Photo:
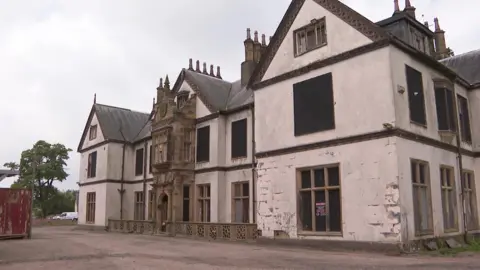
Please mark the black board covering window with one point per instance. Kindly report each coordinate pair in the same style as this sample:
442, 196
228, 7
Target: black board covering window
239, 138
445, 113
139, 162
464, 121
416, 97
203, 144
92, 165
313, 105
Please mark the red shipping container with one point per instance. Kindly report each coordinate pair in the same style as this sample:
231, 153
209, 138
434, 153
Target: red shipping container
15, 211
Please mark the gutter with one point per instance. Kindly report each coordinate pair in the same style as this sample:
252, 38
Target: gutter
254, 190
460, 166
145, 152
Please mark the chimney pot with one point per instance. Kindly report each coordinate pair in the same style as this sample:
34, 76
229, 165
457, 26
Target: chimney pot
197, 67
205, 68
249, 35
211, 71
190, 64
264, 42
161, 83
255, 36
218, 73
396, 6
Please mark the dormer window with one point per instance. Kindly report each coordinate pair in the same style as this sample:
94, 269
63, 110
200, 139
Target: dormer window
93, 133
182, 98
310, 37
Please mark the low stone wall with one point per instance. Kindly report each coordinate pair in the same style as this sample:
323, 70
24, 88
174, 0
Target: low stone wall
53, 222
209, 231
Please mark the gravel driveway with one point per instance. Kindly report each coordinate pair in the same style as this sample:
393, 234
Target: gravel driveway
63, 248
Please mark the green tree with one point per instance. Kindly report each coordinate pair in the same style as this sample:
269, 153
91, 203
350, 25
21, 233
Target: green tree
42, 165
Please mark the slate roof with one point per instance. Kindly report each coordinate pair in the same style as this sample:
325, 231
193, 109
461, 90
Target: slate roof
119, 124
218, 94
467, 65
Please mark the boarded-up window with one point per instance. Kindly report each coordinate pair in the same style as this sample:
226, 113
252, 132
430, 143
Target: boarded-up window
470, 200
449, 199
320, 201
90, 213
313, 105
186, 203
138, 211
203, 144
422, 201
445, 112
240, 200
139, 162
416, 97
92, 165
93, 132
151, 203
464, 116
239, 138
204, 203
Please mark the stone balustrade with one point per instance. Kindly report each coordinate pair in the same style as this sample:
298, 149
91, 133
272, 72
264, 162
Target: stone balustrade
210, 231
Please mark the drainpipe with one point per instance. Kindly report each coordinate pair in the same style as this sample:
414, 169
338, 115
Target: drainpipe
460, 165
145, 152
254, 193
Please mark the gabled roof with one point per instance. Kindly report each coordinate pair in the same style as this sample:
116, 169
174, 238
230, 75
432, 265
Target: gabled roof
467, 65
216, 94
337, 8
8, 173
117, 124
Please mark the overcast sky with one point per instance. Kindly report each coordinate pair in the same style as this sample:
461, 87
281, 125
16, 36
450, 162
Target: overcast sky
54, 55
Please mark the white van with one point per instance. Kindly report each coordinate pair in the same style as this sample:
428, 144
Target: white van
68, 216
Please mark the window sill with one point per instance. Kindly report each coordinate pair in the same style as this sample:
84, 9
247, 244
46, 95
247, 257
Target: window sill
454, 230
329, 234
202, 162
313, 132
418, 124
238, 158
310, 50
424, 233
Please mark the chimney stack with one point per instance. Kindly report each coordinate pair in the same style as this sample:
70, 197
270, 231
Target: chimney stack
441, 49
396, 7
409, 9
205, 68
218, 73
211, 71
190, 64
257, 48
197, 67
248, 66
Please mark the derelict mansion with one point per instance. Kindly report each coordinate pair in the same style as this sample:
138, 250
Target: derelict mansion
338, 128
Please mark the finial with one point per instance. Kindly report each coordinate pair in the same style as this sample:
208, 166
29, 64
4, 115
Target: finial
95, 98
426, 24
264, 42
197, 68
190, 64
211, 71
218, 73
437, 25
153, 102
161, 83
396, 6
167, 83
255, 36
249, 35
205, 68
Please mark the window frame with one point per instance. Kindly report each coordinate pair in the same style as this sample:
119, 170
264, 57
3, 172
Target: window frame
92, 166
242, 198
202, 202
139, 162
312, 189
235, 138
428, 185
92, 132
445, 189
449, 107
151, 204
465, 131
206, 157
150, 159
313, 24
138, 205
424, 109
472, 195
91, 198
188, 200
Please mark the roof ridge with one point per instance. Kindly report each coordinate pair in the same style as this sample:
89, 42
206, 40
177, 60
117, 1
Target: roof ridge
120, 108
462, 54
207, 75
